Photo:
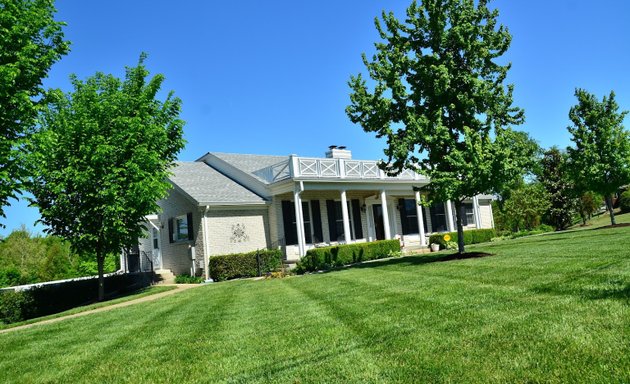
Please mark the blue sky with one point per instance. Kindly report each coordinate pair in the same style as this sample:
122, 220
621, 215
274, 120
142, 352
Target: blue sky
269, 77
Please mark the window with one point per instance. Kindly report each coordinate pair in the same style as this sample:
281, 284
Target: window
181, 228
409, 216
339, 222
156, 235
438, 217
469, 216
308, 228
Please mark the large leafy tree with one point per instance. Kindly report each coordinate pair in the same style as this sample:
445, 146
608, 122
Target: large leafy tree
439, 99
559, 187
31, 41
599, 159
102, 158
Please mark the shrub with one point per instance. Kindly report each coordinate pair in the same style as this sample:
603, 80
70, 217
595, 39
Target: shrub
472, 236
16, 306
48, 299
233, 266
338, 255
624, 202
187, 279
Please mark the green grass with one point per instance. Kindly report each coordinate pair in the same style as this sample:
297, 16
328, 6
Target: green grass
551, 308
132, 296
604, 219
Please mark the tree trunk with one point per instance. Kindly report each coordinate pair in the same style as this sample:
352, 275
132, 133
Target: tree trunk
100, 261
609, 203
459, 210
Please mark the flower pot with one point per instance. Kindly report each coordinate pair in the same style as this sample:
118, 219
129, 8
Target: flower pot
435, 247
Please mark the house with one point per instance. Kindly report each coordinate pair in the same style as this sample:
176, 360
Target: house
228, 203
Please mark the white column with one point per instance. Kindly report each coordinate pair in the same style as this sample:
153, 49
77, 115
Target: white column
423, 240
388, 232
346, 217
449, 213
206, 244
299, 223
476, 212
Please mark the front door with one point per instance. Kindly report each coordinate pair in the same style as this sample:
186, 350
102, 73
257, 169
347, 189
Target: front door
157, 254
378, 222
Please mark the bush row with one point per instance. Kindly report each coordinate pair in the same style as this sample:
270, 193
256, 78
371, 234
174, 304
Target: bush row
237, 265
335, 256
53, 298
472, 236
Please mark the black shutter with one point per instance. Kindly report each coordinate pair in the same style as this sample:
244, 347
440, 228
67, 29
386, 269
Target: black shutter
332, 219
189, 222
403, 216
170, 230
356, 218
434, 220
288, 215
317, 221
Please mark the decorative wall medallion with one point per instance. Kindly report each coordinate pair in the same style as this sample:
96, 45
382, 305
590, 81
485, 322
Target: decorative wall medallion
238, 234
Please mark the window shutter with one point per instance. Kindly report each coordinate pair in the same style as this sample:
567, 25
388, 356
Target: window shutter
170, 230
189, 223
317, 221
290, 232
332, 217
356, 217
403, 216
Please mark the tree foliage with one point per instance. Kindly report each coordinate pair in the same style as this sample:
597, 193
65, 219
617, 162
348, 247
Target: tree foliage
588, 204
31, 41
102, 159
440, 101
524, 209
599, 159
559, 187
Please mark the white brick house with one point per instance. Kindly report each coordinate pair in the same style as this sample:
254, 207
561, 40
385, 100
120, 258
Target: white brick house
227, 203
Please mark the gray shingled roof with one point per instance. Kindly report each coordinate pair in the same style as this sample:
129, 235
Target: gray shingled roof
208, 186
252, 164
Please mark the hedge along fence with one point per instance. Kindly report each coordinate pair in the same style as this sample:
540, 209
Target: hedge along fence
49, 298
233, 266
472, 236
329, 257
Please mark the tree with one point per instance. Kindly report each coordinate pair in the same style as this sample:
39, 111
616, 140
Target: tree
31, 41
588, 203
599, 160
553, 177
440, 101
102, 159
525, 207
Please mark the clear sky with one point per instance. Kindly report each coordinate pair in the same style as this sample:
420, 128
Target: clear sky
269, 77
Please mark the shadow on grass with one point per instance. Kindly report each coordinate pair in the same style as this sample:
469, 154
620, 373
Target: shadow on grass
608, 290
619, 225
413, 260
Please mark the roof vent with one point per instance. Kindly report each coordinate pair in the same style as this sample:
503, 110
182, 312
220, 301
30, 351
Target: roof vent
338, 152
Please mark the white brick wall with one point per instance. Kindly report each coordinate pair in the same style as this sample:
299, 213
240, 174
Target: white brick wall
236, 231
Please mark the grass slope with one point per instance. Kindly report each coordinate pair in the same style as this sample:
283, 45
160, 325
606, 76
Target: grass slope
148, 291
550, 308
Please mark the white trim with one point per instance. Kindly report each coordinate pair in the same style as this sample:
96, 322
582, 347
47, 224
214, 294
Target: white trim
449, 212
388, 233
346, 219
299, 223
476, 212
206, 244
423, 240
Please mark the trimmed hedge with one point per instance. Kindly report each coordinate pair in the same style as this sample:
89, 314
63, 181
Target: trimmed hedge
471, 236
48, 299
233, 266
336, 256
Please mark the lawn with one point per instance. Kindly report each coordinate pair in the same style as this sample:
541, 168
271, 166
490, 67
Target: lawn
551, 308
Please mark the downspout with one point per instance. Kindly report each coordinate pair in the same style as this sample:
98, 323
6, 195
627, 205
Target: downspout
206, 244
